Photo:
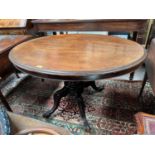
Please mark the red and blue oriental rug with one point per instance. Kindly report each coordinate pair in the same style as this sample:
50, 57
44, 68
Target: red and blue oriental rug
109, 112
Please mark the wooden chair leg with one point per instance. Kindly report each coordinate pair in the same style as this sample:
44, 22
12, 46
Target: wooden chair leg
131, 76
4, 101
143, 85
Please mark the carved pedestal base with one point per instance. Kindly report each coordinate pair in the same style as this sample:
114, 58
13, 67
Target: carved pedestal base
74, 89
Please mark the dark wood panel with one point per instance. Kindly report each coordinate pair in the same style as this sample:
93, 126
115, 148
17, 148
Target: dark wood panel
129, 26
116, 25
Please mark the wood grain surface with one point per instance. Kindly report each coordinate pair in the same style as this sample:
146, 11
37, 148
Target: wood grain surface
78, 56
12, 23
136, 26
126, 25
9, 41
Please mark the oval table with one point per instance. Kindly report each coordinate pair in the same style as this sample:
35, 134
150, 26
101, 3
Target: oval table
78, 60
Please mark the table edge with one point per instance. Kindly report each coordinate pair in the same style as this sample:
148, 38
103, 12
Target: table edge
79, 75
60, 21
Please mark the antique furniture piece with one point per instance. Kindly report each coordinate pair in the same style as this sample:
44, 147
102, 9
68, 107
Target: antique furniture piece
151, 34
4, 101
7, 42
15, 124
18, 27
136, 28
78, 60
22, 125
150, 68
12, 33
145, 123
15, 26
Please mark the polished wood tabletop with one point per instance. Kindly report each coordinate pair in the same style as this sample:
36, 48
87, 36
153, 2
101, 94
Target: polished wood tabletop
13, 23
9, 41
77, 57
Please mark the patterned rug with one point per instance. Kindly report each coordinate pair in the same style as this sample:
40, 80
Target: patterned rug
108, 112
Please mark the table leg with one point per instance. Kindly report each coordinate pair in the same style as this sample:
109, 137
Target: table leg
57, 97
81, 105
131, 76
74, 89
143, 85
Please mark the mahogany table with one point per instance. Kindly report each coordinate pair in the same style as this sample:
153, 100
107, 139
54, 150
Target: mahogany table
135, 28
78, 60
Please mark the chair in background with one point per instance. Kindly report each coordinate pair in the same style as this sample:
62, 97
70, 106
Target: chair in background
14, 124
150, 68
145, 123
12, 33
22, 125
151, 34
